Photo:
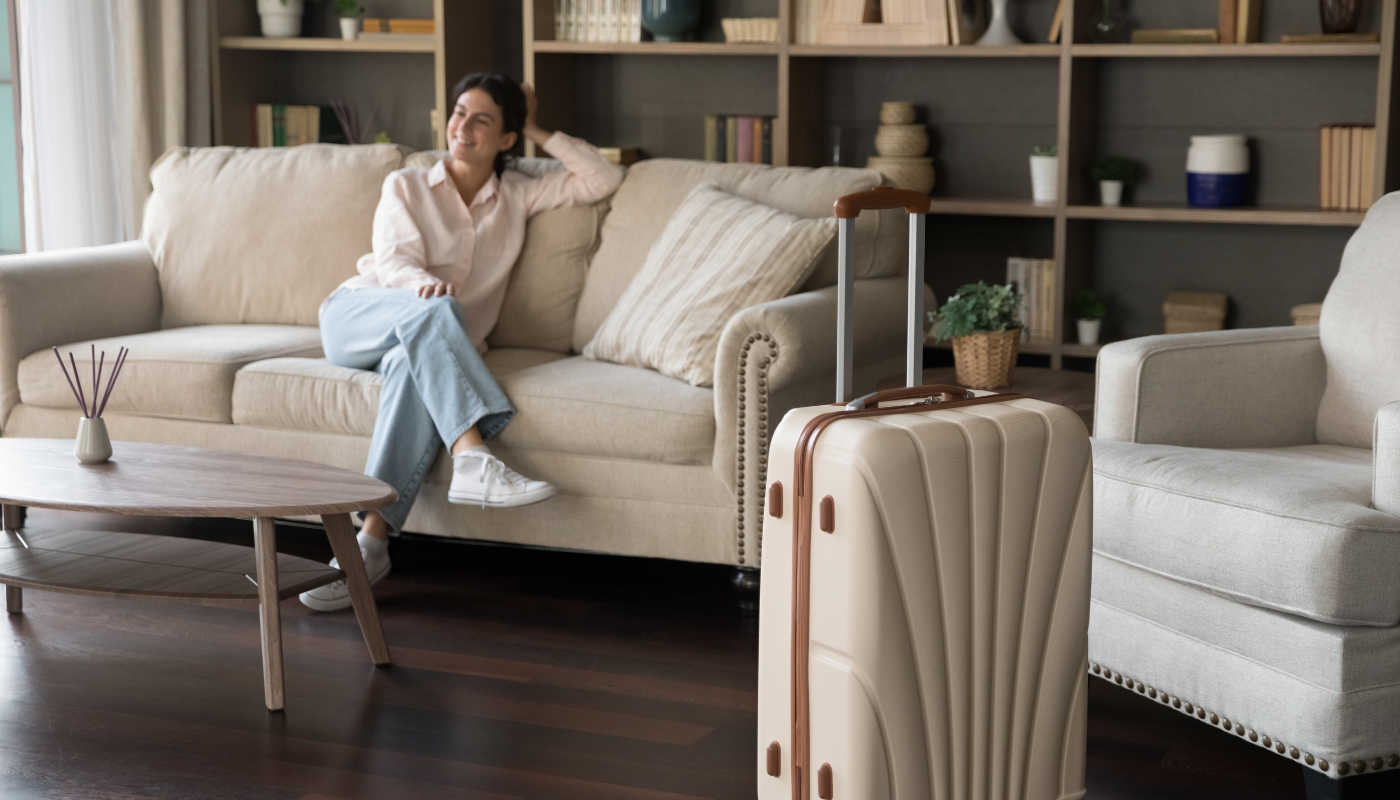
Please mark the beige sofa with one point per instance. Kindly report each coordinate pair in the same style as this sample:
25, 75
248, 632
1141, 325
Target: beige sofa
219, 300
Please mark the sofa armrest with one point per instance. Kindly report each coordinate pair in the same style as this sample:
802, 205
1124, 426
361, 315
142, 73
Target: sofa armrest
64, 296
1385, 460
1254, 387
782, 355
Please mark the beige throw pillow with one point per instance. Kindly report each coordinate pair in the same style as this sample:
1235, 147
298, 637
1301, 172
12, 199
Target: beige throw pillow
718, 255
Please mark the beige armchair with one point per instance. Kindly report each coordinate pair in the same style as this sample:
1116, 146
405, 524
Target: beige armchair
1246, 537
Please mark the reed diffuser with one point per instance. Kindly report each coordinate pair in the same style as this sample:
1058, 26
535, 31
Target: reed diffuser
92, 445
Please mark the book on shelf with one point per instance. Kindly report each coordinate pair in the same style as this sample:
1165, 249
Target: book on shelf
598, 20
1247, 21
277, 125
741, 140
1057, 24
397, 37
1229, 18
1176, 36
1347, 167
1330, 38
377, 25
1034, 278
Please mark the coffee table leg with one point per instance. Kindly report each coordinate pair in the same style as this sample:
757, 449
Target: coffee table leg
265, 543
341, 532
14, 595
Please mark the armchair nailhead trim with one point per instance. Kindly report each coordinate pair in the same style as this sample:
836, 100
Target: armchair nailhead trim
1343, 767
761, 479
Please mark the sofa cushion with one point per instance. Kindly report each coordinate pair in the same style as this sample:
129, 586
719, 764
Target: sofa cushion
312, 394
181, 373
260, 235
654, 189
548, 277
1359, 329
1288, 528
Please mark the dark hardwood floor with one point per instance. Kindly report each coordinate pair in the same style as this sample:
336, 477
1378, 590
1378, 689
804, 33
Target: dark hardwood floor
518, 674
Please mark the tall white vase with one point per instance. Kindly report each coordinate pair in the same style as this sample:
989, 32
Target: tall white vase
998, 29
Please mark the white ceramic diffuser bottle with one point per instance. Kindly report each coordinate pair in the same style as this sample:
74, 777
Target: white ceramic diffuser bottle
92, 446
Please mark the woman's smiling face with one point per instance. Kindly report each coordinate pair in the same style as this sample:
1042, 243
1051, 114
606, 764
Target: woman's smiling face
476, 132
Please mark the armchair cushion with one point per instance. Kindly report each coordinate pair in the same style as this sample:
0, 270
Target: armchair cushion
180, 373
1287, 528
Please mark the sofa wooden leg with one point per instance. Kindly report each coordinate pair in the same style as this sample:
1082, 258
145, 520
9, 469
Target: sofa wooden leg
1371, 786
745, 582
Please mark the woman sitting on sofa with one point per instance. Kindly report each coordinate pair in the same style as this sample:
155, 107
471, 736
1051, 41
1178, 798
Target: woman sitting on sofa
418, 313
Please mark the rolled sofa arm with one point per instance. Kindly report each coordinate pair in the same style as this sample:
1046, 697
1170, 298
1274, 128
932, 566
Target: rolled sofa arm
63, 296
782, 355
1253, 387
1385, 460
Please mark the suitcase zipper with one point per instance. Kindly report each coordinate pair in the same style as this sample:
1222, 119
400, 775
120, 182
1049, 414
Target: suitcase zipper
946, 397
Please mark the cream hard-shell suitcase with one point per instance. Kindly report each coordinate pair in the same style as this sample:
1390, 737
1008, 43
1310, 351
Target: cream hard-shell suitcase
926, 557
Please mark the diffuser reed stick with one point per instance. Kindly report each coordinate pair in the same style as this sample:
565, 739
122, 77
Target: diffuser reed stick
75, 381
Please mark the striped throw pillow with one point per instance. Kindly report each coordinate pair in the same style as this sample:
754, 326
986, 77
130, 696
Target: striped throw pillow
719, 255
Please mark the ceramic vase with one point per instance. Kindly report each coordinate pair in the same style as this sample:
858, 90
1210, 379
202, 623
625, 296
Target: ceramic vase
281, 19
670, 20
349, 28
1339, 16
998, 29
92, 445
1045, 178
1217, 171
1111, 193
1089, 331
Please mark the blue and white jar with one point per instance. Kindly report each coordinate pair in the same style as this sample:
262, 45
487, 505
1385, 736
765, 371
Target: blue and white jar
1217, 171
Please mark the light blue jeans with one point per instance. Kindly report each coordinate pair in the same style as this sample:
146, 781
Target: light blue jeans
435, 383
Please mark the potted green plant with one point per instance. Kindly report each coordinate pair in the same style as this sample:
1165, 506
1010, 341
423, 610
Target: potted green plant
982, 322
1113, 174
349, 12
1089, 311
1045, 173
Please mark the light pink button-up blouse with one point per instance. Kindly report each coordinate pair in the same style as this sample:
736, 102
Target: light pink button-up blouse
424, 234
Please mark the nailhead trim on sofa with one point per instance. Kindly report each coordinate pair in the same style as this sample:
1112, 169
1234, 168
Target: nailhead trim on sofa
1340, 769
761, 469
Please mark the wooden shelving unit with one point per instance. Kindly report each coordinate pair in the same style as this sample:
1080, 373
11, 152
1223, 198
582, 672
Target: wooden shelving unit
250, 69
800, 125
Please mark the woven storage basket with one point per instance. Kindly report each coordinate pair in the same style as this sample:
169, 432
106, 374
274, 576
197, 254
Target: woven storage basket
986, 360
1194, 312
750, 29
900, 112
1307, 314
914, 173
901, 140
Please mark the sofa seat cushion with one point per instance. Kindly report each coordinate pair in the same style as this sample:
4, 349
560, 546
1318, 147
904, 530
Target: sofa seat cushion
180, 373
1289, 528
312, 394
575, 405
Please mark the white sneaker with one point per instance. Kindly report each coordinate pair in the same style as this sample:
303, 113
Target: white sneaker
479, 478
336, 596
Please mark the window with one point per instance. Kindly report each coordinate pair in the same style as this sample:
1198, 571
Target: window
11, 240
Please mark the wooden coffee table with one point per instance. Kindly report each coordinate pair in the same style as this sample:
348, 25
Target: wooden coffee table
167, 481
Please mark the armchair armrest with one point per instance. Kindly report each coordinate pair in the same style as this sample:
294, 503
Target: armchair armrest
1254, 387
63, 296
782, 355
1385, 460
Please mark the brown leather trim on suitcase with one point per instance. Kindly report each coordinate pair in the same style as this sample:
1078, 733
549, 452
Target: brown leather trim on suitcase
938, 398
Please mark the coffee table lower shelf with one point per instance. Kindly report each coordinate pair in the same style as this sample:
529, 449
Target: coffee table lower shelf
147, 567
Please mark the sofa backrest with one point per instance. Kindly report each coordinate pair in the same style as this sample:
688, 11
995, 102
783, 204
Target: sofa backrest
1360, 330
260, 235
654, 189
548, 277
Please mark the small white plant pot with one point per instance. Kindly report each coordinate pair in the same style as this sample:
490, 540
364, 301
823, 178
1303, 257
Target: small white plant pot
1111, 193
92, 445
349, 28
281, 19
1089, 329
1045, 178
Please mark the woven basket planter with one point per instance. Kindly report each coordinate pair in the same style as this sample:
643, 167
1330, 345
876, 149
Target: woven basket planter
987, 360
750, 29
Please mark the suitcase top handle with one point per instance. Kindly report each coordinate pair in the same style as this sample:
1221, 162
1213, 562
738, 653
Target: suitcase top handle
881, 197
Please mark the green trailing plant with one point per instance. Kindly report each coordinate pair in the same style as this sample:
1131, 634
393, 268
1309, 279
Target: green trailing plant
978, 308
1114, 169
1046, 150
348, 8
1088, 305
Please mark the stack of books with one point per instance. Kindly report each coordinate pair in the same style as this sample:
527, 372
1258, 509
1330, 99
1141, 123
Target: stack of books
598, 20
739, 140
1348, 160
1034, 278
415, 29
276, 125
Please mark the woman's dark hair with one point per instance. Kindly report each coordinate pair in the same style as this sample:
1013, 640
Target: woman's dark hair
507, 94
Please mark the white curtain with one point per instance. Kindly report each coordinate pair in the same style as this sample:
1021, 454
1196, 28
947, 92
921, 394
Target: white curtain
106, 87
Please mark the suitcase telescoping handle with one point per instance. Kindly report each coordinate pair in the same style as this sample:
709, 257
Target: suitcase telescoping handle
847, 209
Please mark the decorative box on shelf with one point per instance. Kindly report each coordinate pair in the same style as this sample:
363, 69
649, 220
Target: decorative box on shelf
1193, 312
761, 30
1306, 314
